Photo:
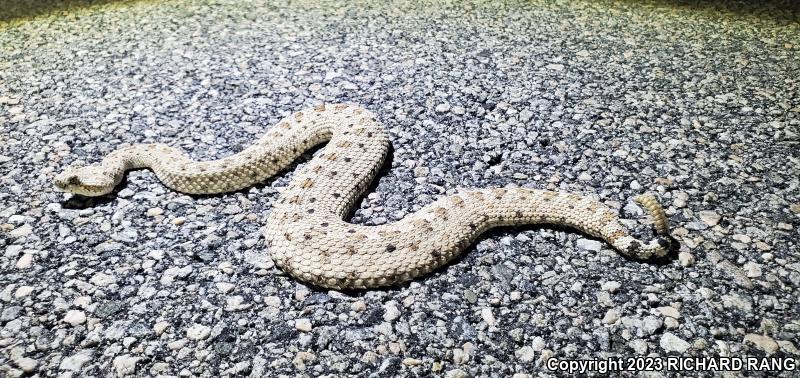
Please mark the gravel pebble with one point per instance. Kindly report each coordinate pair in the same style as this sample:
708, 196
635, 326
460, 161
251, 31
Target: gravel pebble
76, 361
686, 259
671, 343
25, 261
21, 231
198, 332
669, 311
611, 317
391, 312
303, 325
27, 365
125, 365
488, 317
23, 291
154, 211
611, 286
456, 373
525, 354
710, 218
762, 342
589, 245
160, 327
75, 317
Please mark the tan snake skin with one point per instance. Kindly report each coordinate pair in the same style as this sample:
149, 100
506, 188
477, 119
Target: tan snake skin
306, 233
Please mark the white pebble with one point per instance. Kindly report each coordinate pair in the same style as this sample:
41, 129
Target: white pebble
589, 245
686, 259
525, 354
303, 325
611, 317
224, 287
442, 108
25, 261
75, 317
390, 312
198, 332
488, 316
154, 211
23, 291
611, 286
28, 365
125, 364
21, 231
103, 280
358, 306
160, 327
671, 343
76, 361
710, 218
670, 311
752, 269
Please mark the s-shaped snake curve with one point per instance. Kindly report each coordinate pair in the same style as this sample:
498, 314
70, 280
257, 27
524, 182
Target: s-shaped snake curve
306, 233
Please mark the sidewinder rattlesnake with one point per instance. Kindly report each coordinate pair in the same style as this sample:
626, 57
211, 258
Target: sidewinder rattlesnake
306, 233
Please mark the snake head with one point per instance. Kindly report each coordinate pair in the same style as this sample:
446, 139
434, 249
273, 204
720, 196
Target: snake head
91, 181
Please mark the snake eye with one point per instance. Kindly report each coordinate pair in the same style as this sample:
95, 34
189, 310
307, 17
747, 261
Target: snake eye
73, 180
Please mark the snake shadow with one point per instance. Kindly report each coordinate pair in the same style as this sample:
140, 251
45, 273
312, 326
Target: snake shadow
81, 202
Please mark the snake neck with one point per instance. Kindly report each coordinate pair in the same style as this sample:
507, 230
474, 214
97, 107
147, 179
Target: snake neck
133, 157
115, 164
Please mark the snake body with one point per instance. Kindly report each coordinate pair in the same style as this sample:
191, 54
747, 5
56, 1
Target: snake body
306, 233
